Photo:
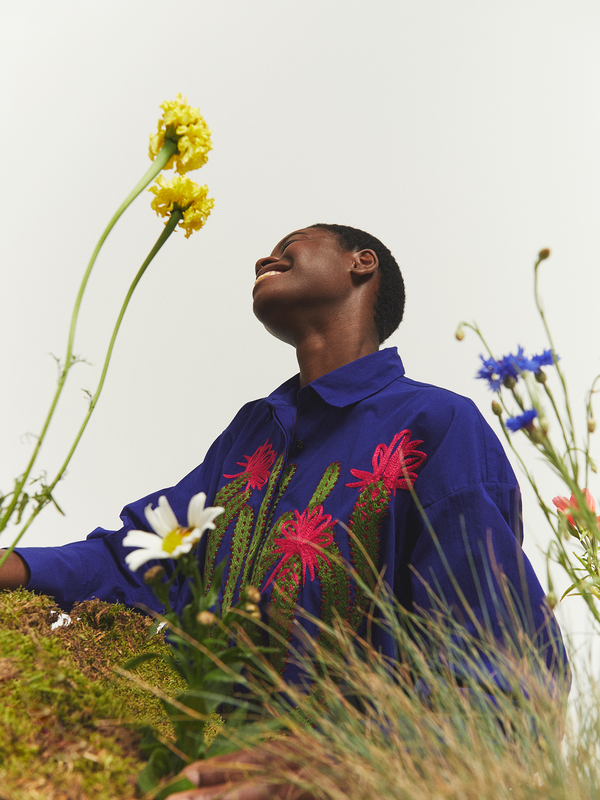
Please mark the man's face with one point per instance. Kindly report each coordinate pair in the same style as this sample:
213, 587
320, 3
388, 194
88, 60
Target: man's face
307, 274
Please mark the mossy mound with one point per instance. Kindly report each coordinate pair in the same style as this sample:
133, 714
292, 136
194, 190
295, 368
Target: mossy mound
68, 722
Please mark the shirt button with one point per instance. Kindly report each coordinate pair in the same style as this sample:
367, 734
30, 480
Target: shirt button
299, 444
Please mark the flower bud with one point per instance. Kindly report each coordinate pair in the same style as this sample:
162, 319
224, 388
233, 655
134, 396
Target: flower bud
252, 594
591, 424
255, 614
250, 607
544, 426
509, 382
551, 599
460, 333
593, 467
540, 376
206, 618
496, 408
535, 434
544, 254
154, 574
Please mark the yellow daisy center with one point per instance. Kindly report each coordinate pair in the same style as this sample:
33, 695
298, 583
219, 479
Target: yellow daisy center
173, 539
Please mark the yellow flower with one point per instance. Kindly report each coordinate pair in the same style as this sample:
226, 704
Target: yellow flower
184, 125
183, 194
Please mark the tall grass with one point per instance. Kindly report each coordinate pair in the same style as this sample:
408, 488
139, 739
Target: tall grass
430, 724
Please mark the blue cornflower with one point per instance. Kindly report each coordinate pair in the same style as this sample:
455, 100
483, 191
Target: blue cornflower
511, 366
522, 421
490, 371
545, 359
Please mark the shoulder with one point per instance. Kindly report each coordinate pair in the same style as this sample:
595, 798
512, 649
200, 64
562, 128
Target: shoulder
457, 439
432, 408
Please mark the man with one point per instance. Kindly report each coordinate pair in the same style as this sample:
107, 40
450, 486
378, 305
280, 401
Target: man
414, 471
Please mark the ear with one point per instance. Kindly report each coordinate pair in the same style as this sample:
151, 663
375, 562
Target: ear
365, 262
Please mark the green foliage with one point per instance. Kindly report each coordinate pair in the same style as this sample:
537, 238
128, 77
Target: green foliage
64, 715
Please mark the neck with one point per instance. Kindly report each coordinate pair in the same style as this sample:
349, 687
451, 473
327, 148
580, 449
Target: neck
317, 355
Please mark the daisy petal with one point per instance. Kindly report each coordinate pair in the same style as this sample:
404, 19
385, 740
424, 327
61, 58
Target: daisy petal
138, 557
161, 519
200, 517
143, 539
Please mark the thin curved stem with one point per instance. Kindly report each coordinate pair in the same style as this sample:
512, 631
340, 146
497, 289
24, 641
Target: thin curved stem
159, 162
169, 227
540, 309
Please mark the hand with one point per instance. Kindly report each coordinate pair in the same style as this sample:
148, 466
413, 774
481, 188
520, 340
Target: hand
14, 573
230, 777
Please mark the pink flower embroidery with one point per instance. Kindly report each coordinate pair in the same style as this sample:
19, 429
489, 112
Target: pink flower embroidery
571, 504
303, 537
396, 464
257, 466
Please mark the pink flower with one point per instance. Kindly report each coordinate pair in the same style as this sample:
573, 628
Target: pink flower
396, 464
303, 537
565, 505
257, 466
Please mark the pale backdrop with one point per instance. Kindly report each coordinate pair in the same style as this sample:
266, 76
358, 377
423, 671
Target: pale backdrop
464, 134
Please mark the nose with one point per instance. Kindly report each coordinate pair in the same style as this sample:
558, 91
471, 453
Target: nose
262, 262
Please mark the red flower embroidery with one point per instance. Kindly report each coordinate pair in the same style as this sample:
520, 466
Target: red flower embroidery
257, 466
396, 464
303, 537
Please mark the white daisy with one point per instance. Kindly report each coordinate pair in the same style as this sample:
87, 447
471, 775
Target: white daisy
170, 540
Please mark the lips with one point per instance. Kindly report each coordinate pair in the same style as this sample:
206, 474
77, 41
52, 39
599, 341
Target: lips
269, 270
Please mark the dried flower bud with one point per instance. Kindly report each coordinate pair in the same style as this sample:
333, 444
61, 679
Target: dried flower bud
551, 599
591, 424
544, 426
154, 574
255, 614
535, 434
509, 382
206, 618
460, 333
250, 607
593, 467
544, 254
496, 408
252, 594
541, 376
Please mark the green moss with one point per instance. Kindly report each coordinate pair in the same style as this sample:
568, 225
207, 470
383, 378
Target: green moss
65, 715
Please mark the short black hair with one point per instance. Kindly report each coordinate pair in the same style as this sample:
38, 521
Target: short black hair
389, 305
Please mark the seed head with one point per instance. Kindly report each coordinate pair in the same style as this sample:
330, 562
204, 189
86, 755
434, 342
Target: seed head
544, 254
252, 594
206, 618
154, 574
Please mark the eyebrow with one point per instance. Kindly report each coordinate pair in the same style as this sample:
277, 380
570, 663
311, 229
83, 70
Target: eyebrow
283, 242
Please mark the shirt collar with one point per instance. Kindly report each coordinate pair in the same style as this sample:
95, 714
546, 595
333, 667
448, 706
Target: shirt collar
348, 384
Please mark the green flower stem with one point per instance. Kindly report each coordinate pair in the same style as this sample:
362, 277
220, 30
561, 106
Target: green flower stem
540, 308
570, 449
159, 162
168, 230
589, 415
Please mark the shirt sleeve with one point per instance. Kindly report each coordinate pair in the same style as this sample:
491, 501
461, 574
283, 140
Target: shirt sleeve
467, 564
96, 566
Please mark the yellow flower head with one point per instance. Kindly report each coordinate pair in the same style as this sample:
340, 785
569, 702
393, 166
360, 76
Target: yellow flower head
183, 194
184, 125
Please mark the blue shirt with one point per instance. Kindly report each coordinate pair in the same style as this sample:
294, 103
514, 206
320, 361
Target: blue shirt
301, 468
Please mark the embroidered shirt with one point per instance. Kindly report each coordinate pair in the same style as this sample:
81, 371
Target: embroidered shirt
346, 448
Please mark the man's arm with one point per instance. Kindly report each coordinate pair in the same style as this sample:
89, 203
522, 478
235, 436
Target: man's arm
14, 573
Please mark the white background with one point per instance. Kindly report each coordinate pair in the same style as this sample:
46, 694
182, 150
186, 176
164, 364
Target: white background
464, 134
